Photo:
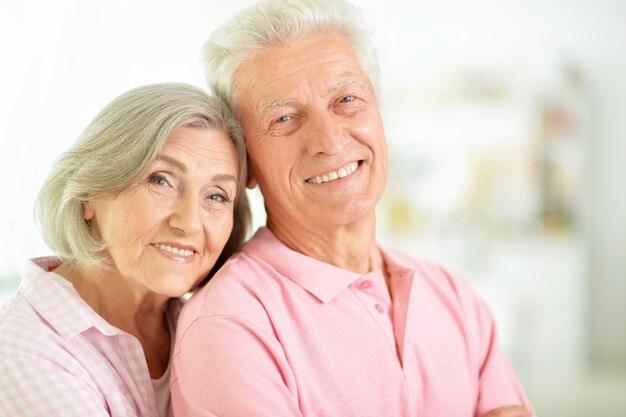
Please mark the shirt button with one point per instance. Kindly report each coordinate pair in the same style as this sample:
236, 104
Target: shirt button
379, 308
365, 284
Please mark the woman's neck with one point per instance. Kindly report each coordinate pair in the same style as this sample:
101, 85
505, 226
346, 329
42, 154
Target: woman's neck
127, 306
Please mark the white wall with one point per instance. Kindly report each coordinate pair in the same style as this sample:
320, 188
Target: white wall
64, 60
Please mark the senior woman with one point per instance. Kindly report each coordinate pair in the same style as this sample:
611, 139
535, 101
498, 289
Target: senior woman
146, 205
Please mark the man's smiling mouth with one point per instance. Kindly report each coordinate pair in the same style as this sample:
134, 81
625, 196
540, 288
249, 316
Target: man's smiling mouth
343, 172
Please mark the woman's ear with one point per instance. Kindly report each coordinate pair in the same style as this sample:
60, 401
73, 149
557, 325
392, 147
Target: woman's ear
88, 210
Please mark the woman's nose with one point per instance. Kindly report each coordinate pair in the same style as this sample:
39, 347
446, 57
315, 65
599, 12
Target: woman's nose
186, 215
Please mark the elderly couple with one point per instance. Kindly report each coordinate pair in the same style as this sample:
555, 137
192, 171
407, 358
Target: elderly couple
310, 317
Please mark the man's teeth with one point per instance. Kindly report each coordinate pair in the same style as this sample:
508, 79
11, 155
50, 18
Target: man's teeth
331, 176
176, 251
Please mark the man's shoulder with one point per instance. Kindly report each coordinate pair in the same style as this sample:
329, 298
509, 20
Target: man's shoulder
430, 273
240, 270
236, 289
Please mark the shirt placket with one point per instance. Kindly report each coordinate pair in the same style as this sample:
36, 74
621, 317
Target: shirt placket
136, 366
373, 295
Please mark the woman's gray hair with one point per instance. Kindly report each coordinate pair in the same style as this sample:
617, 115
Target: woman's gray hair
270, 22
117, 148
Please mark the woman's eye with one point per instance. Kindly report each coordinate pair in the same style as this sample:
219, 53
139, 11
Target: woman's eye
158, 180
346, 99
218, 198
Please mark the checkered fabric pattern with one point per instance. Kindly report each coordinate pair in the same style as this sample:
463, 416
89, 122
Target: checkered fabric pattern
58, 357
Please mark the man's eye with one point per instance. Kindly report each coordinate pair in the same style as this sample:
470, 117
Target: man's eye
346, 99
282, 119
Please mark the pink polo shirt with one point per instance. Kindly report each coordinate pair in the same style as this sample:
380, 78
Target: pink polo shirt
58, 357
277, 333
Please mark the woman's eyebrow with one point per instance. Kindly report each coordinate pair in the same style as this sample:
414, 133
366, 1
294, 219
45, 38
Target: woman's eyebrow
183, 168
173, 161
224, 177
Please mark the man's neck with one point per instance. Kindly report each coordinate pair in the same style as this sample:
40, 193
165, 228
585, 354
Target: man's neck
351, 247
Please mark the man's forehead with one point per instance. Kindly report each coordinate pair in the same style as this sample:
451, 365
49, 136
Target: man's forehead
280, 74
317, 48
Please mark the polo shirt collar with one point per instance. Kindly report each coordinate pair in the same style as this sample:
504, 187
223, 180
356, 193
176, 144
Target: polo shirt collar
398, 263
323, 280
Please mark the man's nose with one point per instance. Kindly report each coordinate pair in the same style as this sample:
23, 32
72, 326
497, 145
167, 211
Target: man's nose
327, 135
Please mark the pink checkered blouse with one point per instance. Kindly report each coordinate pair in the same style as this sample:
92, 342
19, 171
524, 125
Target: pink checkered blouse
59, 358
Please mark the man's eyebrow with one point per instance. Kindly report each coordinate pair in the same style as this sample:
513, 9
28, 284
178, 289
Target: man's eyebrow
276, 104
173, 161
344, 84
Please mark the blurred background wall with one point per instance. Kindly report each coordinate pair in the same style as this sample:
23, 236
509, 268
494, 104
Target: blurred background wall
506, 124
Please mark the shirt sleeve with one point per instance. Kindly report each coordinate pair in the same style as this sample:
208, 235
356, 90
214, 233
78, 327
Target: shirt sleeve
224, 366
40, 388
498, 382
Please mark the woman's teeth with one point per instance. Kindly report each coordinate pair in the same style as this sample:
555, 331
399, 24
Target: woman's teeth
331, 176
176, 251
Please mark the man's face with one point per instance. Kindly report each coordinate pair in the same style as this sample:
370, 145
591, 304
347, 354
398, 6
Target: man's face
313, 132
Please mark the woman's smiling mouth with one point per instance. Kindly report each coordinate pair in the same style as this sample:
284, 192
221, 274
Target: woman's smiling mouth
174, 250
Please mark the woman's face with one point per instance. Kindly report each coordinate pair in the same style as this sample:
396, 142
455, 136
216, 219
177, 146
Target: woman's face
166, 231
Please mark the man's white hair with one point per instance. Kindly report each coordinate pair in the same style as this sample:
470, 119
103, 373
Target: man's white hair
270, 22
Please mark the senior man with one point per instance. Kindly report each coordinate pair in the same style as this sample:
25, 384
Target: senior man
313, 317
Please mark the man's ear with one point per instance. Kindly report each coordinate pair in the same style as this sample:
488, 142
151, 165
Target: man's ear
88, 210
251, 181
